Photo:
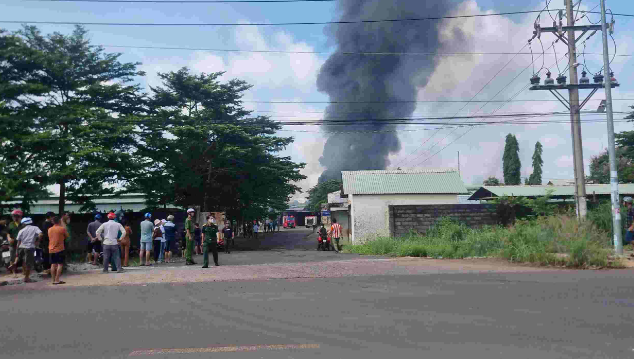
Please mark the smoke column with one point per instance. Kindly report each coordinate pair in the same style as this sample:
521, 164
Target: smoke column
375, 78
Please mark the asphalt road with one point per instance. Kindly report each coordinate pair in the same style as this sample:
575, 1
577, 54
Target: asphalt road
539, 315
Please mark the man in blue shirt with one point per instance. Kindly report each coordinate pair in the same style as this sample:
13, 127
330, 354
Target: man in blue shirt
147, 227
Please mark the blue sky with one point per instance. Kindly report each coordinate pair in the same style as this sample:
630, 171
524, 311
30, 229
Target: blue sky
292, 77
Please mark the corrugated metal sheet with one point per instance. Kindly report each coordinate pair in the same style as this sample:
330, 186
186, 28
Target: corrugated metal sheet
534, 191
423, 181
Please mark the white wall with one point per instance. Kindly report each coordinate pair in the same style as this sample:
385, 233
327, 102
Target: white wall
370, 213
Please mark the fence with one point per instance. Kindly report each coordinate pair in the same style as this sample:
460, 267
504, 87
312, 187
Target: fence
419, 218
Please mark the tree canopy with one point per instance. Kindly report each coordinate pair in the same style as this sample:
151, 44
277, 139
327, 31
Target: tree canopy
77, 118
491, 181
511, 163
318, 195
201, 147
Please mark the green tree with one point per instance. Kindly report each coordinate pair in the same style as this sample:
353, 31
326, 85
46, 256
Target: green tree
511, 164
318, 195
20, 176
600, 166
82, 121
491, 181
201, 148
536, 177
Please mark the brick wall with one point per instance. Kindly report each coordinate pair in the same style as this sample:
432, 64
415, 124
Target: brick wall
420, 218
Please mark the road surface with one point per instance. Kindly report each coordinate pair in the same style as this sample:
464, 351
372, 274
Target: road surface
434, 313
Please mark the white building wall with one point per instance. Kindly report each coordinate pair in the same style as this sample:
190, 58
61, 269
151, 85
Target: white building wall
371, 217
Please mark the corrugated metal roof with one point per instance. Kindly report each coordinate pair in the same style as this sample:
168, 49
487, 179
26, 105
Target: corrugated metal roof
534, 191
419, 181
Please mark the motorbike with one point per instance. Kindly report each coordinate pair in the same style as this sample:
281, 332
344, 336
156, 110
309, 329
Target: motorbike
324, 245
39, 260
6, 255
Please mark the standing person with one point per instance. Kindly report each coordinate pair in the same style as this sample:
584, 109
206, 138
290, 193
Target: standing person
94, 241
197, 238
163, 241
189, 237
48, 223
66, 224
210, 241
111, 232
14, 228
228, 234
125, 243
28, 238
157, 236
57, 235
170, 237
629, 221
335, 233
323, 233
256, 227
146, 240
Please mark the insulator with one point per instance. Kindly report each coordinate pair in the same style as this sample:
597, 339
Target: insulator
549, 80
612, 78
561, 79
535, 80
584, 78
598, 79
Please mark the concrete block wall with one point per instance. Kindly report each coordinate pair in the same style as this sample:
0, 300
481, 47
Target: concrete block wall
419, 218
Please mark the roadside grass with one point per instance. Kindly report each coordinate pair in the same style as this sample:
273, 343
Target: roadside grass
558, 240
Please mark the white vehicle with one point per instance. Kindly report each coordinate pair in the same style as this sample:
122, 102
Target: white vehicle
311, 221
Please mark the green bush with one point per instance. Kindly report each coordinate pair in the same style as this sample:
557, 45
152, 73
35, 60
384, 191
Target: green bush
551, 240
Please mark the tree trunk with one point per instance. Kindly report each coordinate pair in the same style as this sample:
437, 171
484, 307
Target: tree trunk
62, 196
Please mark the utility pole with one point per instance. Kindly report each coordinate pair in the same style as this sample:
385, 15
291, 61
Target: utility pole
575, 117
572, 103
458, 163
614, 178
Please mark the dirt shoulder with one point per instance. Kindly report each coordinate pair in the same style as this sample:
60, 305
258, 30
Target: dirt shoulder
326, 269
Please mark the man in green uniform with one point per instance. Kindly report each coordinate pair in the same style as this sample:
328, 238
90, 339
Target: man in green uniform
189, 237
14, 228
210, 241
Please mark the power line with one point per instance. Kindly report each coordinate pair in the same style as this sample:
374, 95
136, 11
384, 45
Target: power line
375, 53
186, 1
414, 101
339, 22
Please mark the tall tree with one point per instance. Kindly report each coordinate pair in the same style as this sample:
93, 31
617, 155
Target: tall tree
318, 195
536, 177
202, 148
20, 176
84, 119
511, 163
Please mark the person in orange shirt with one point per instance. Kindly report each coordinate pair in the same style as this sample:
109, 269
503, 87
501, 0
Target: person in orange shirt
57, 235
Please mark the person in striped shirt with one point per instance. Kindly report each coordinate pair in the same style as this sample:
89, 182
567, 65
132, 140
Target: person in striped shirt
335, 234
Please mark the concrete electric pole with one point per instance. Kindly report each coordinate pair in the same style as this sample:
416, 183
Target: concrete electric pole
614, 178
573, 88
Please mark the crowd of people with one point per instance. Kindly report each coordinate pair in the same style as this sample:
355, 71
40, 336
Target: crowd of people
108, 242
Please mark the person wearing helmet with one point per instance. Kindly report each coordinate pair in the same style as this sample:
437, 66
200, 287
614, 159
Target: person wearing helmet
629, 221
189, 237
146, 240
111, 233
14, 228
94, 242
28, 238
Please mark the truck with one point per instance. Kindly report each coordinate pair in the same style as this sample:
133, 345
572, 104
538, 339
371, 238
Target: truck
289, 222
311, 221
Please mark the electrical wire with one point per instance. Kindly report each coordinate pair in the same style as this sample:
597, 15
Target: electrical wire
556, 60
378, 53
185, 1
415, 101
340, 22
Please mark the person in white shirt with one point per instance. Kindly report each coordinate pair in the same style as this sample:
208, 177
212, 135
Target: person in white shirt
111, 233
28, 238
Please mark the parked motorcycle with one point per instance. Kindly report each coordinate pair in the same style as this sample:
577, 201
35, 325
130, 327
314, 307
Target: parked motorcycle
324, 245
39, 260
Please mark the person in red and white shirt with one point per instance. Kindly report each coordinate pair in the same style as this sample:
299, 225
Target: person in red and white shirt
335, 234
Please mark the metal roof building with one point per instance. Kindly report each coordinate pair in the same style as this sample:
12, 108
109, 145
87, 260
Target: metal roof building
419, 181
488, 192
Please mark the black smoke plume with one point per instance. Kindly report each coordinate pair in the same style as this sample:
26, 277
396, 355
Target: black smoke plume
369, 80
